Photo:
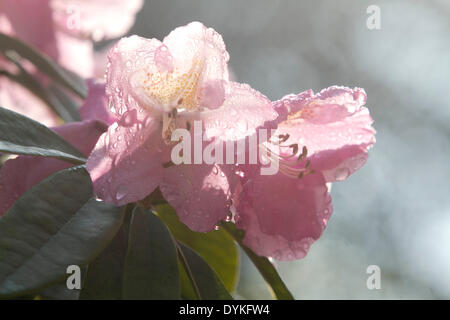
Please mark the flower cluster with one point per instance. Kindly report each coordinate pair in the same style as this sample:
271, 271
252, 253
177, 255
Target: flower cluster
156, 88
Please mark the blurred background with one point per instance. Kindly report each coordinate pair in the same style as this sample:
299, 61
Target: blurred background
395, 212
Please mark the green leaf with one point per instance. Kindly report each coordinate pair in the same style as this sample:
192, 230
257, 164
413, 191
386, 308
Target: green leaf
66, 107
216, 247
104, 277
206, 280
44, 64
151, 266
22, 135
264, 266
52, 226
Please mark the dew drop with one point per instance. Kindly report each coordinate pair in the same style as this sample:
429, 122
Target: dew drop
129, 117
121, 193
342, 174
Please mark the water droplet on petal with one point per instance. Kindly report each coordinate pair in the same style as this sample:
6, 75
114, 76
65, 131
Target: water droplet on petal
121, 193
342, 174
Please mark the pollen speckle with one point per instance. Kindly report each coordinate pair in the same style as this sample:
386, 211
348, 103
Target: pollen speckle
173, 89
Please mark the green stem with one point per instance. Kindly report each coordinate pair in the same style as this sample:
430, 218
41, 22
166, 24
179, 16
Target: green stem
264, 266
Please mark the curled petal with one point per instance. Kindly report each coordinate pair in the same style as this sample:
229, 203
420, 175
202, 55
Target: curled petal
334, 127
20, 174
126, 164
129, 62
195, 42
282, 216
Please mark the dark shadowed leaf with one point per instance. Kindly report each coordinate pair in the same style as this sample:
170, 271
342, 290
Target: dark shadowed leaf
60, 291
52, 95
22, 135
264, 266
52, 226
206, 280
216, 247
151, 266
104, 278
44, 64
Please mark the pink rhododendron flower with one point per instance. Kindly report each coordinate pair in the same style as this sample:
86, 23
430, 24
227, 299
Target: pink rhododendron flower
64, 30
322, 138
156, 87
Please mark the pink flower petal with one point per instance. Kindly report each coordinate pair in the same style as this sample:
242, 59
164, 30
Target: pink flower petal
96, 104
196, 42
126, 165
199, 194
20, 174
99, 19
282, 216
16, 98
334, 127
31, 21
128, 60
75, 54
243, 111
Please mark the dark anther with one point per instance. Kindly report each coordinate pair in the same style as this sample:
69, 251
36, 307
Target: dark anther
307, 163
294, 148
168, 164
174, 112
188, 125
180, 101
303, 155
283, 137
